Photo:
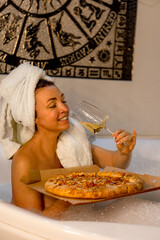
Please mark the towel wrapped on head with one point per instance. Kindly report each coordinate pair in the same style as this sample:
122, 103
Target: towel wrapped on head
17, 118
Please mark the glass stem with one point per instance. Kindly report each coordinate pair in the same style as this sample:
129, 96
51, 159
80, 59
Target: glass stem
109, 130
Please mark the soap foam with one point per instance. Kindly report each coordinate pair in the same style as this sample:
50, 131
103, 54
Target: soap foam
129, 210
132, 210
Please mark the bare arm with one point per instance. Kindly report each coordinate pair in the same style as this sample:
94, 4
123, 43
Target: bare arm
27, 198
120, 158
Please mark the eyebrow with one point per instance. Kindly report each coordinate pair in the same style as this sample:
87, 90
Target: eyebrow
52, 99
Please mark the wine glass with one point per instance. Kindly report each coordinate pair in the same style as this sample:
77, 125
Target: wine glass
92, 118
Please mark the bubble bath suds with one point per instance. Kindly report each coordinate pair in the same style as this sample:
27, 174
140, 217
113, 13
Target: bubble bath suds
133, 210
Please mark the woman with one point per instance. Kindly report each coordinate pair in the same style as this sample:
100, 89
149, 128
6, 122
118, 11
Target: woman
51, 119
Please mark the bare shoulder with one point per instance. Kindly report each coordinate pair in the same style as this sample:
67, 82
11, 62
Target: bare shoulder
23, 161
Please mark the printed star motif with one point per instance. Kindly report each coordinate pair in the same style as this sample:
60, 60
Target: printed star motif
92, 59
109, 43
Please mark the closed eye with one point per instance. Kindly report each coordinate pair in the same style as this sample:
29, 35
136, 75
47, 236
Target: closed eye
52, 106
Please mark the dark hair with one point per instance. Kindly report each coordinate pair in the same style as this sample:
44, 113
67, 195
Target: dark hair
44, 83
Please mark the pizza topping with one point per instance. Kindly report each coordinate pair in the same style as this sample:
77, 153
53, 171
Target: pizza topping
94, 185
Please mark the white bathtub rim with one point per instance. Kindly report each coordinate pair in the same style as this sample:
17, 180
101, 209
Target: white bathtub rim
42, 226
123, 231
69, 230
10, 232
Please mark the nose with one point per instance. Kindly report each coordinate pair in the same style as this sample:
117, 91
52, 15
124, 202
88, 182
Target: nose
64, 107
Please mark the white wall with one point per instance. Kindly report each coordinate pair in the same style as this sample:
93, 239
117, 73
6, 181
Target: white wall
133, 104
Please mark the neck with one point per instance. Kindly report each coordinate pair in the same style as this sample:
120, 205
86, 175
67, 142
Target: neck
47, 142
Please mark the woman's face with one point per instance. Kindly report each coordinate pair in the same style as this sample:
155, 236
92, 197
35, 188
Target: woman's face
51, 109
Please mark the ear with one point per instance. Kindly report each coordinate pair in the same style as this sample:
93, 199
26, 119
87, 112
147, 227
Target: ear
36, 120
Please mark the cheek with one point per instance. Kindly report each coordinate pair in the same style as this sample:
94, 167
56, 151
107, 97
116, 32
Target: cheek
40, 114
46, 117
53, 115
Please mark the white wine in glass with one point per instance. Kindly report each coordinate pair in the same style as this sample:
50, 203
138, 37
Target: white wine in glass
91, 117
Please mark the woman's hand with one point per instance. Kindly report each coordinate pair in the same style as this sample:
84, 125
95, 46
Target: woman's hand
57, 209
125, 141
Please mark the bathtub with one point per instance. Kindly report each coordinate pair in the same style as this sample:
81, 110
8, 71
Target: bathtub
19, 224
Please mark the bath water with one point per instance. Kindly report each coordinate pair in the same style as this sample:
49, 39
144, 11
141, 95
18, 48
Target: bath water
143, 209
133, 210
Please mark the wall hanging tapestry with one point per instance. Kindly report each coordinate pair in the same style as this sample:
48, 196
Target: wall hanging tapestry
91, 39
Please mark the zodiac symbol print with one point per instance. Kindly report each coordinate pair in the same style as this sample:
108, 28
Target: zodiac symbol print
67, 38
32, 44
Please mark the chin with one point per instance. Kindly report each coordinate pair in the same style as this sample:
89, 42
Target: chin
66, 126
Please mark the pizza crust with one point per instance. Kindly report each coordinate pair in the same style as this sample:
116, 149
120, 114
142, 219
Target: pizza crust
94, 185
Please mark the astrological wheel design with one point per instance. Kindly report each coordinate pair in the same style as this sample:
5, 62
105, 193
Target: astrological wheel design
56, 34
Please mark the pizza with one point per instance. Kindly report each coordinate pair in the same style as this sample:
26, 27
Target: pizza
93, 185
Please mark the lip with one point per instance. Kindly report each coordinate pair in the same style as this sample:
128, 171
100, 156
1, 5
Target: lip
64, 118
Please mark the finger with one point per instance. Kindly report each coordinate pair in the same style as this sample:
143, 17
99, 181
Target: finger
115, 134
134, 133
132, 145
134, 136
124, 136
126, 140
128, 143
118, 132
133, 142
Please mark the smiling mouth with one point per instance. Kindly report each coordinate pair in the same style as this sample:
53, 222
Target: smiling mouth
63, 119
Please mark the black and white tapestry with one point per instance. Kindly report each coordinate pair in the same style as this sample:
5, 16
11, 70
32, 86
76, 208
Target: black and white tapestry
91, 39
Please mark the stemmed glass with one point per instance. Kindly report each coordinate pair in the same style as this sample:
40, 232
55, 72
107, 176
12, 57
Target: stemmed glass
92, 118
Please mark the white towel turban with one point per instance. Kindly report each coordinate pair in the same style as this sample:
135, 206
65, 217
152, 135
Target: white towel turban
17, 118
